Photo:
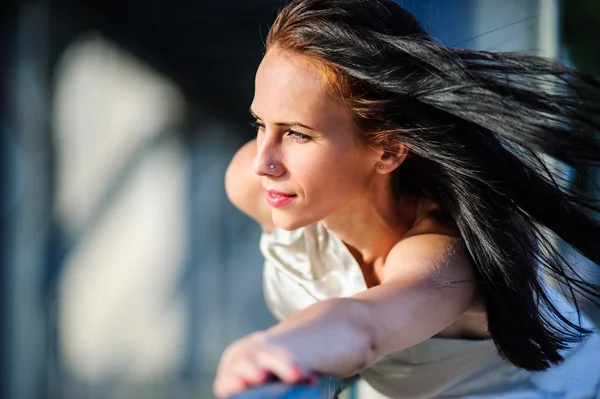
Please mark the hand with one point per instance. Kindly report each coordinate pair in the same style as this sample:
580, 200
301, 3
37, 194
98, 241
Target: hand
252, 361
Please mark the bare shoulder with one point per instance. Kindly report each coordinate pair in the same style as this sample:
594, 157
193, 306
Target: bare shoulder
432, 251
244, 188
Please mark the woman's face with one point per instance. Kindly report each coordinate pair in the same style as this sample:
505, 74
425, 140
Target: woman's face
310, 161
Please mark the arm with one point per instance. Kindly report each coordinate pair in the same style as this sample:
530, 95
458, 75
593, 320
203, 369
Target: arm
244, 187
428, 284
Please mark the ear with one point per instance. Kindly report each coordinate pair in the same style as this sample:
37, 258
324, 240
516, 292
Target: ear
391, 157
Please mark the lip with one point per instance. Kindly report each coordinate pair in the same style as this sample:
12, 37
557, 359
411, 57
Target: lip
279, 198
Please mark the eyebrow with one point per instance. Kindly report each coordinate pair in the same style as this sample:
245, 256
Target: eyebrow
286, 123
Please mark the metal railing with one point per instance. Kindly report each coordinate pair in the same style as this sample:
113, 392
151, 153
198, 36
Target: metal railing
326, 388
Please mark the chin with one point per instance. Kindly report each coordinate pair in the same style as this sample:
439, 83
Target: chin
289, 223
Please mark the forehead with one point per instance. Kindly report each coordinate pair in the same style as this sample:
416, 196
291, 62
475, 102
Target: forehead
287, 86
286, 71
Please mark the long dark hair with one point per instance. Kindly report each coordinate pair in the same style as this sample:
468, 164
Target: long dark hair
474, 122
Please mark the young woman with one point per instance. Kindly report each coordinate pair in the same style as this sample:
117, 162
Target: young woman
405, 212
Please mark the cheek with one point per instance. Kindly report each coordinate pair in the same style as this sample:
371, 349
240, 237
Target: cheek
333, 176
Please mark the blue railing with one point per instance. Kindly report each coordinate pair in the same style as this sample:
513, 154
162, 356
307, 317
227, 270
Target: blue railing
327, 388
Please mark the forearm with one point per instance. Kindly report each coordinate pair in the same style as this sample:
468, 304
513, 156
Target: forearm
342, 336
427, 285
332, 336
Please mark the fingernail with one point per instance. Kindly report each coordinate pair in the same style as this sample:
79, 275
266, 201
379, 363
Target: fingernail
263, 375
296, 373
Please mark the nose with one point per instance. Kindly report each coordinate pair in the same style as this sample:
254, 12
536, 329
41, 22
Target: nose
266, 162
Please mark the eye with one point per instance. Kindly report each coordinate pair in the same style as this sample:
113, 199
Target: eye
258, 126
297, 136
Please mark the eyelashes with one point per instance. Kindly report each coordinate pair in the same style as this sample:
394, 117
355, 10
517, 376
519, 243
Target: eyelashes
256, 125
297, 136
294, 135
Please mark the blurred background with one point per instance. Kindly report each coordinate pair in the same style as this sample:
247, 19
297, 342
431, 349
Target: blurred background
125, 270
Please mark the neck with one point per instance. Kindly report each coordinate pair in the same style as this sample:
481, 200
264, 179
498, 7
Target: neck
372, 225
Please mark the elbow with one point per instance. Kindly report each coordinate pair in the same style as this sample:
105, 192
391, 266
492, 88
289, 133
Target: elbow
232, 182
239, 181
231, 193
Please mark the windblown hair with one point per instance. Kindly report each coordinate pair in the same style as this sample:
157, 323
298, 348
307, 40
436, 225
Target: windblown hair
475, 123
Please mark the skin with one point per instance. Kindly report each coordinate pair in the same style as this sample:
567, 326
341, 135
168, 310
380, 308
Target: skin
420, 280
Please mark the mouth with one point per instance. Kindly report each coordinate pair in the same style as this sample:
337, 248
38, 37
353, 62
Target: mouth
278, 198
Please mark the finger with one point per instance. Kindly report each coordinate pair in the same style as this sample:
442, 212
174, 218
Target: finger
226, 387
281, 365
250, 371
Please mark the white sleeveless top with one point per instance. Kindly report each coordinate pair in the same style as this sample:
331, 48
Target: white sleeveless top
311, 264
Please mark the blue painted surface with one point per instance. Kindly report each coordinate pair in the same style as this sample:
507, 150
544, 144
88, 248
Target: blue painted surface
327, 388
281, 391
